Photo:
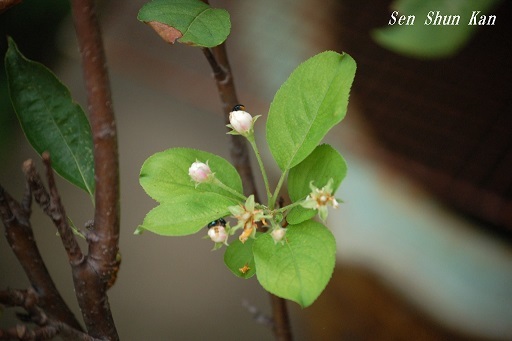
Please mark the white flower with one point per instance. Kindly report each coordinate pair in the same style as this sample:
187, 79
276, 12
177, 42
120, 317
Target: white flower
319, 199
200, 172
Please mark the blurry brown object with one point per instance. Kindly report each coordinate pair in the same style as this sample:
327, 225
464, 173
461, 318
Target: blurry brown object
6, 4
356, 305
446, 122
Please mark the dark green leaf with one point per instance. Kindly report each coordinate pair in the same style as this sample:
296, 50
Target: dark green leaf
197, 23
308, 104
238, 255
50, 119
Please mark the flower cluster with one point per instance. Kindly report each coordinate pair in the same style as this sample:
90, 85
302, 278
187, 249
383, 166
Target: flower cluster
247, 216
319, 199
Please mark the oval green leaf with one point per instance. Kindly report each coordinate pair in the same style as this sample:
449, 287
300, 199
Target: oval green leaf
186, 214
164, 175
300, 269
321, 165
197, 23
50, 119
239, 255
308, 105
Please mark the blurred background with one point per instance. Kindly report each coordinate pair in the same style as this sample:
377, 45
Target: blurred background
424, 234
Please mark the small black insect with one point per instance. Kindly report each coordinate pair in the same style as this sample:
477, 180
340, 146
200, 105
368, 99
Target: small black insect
238, 107
218, 222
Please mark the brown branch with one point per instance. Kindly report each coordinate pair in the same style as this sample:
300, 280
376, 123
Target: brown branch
52, 206
48, 327
239, 151
92, 278
20, 237
282, 329
47, 332
218, 60
217, 57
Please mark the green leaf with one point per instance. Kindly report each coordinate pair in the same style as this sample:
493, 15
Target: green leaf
164, 175
321, 165
185, 208
50, 119
238, 255
197, 23
308, 104
300, 269
299, 214
431, 41
186, 213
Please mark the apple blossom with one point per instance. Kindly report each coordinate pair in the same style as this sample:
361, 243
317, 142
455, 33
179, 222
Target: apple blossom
247, 216
319, 199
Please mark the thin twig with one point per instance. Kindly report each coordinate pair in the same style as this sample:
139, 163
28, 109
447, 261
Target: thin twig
239, 150
20, 237
52, 206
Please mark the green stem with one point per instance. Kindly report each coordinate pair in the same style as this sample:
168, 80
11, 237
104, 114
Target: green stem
252, 141
286, 208
272, 200
229, 189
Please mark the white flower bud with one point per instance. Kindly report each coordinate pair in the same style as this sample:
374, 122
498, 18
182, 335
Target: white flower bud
241, 121
278, 234
218, 234
199, 172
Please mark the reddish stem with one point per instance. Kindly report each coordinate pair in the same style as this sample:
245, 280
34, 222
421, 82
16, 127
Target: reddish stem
91, 277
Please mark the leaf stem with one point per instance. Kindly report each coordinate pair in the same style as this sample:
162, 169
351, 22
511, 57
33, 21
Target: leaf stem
286, 208
272, 200
254, 146
229, 189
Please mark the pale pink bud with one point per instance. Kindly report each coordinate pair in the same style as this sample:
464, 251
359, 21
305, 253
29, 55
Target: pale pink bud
199, 172
278, 234
218, 234
241, 121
